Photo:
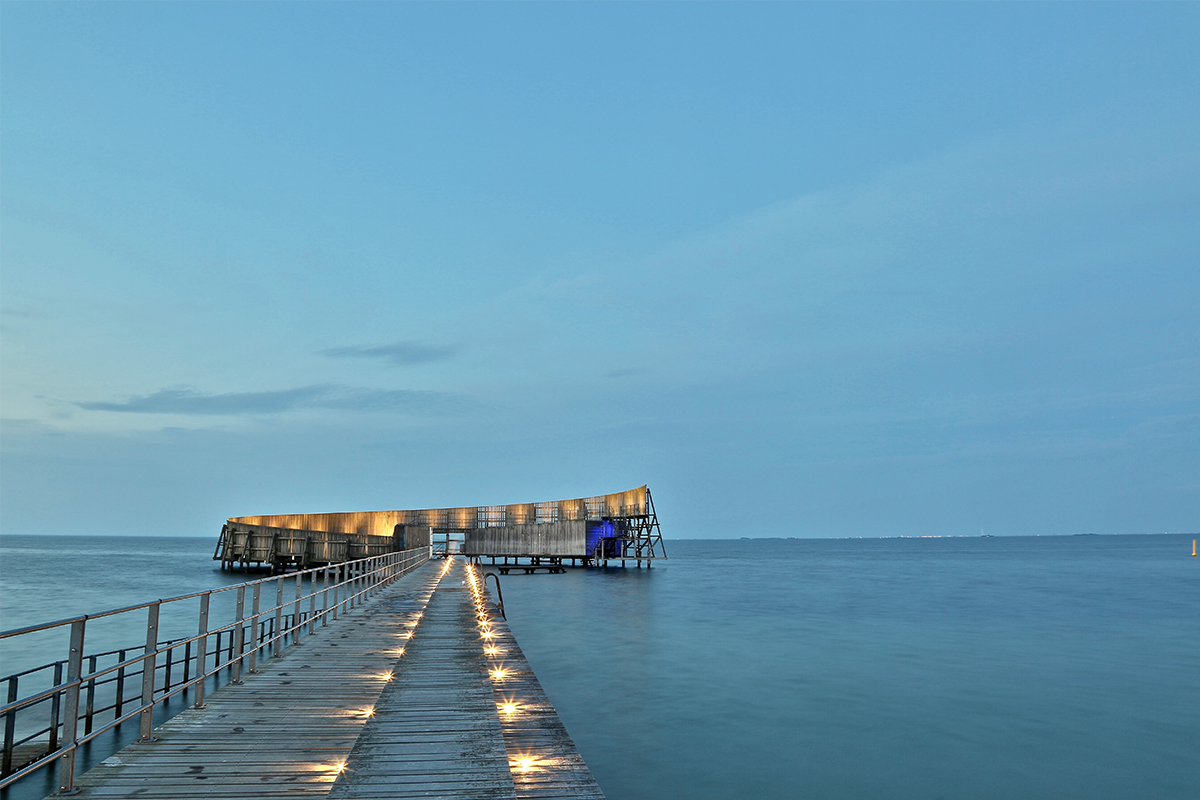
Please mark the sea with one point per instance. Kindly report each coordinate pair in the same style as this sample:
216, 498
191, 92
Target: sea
838, 669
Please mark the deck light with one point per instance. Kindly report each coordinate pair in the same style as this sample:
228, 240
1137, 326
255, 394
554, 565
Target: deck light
491, 650
487, 634
526, 763
508, 708
498, 674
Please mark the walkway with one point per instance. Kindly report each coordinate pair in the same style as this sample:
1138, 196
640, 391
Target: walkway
396, 699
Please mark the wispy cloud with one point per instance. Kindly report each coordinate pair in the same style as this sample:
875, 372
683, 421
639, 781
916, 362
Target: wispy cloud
400, 354
189, 401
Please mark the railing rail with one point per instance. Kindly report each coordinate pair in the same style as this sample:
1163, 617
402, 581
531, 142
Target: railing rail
239, 643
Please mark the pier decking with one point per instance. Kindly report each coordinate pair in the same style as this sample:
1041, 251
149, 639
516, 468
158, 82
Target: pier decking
421, 692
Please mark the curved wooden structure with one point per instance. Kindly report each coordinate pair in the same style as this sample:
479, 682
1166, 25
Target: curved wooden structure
621, 525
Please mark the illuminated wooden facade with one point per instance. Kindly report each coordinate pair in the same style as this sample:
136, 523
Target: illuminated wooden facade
587, 530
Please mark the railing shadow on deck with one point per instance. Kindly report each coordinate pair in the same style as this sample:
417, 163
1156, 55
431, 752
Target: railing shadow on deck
42, 728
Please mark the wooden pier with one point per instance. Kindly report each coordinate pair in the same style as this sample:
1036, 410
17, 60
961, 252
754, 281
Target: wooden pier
420, 692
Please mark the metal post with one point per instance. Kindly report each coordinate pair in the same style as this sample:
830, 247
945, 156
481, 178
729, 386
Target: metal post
55, 702
277, 628
90, 704
151, 655
166, 669
66, 767
254, 630
10, 727
239, 637
325, 596
120, 685
312, 603
202, 650
336, 589
296, 609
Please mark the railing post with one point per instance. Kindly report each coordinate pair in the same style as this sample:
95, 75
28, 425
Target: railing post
296, 608
254, 629
202, 650
276, 630
167, 667
90, 703
187, 661
337, 588
10, 727
325, 596
239, 638
148, 662
66, 767
55, 707
312, 603
120, 700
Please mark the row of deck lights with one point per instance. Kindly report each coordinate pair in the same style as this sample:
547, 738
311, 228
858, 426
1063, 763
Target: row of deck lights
367, 713
497, 672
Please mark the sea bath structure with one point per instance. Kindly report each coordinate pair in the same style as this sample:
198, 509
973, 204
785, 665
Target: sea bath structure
584, 531
358, 673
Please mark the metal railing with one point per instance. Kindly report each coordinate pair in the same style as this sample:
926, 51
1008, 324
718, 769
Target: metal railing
253, 632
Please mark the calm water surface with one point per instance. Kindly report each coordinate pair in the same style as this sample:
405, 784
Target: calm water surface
902, 668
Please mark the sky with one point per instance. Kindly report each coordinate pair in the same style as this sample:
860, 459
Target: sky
805, 269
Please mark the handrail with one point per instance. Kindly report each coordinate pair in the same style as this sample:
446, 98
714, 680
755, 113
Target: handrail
341, 587
109, 612
499, 594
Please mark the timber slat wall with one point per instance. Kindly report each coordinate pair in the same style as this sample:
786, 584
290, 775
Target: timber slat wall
565, 538
632, 502
300, 728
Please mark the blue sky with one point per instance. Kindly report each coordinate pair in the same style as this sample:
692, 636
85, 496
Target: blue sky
806, 269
